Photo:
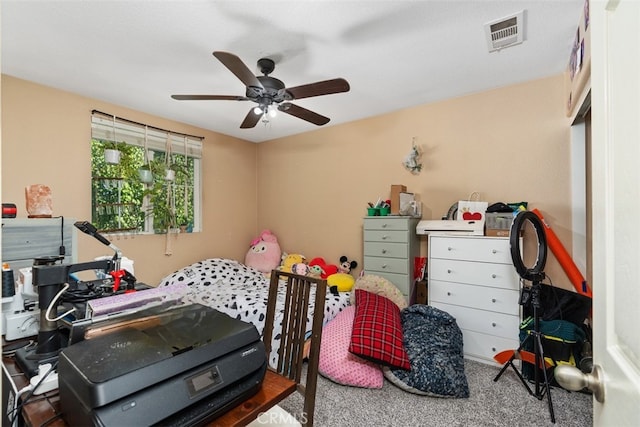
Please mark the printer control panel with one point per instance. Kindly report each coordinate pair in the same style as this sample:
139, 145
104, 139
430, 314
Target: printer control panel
203, 381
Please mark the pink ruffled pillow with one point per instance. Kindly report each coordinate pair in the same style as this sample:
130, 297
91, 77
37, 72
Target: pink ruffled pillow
337, 363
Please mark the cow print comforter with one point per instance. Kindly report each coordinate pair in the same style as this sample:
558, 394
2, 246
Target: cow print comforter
241, 292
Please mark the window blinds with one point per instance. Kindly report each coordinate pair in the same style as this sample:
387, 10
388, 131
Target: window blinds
107, 128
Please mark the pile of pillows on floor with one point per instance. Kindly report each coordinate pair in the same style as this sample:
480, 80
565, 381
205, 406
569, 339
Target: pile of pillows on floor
417, 348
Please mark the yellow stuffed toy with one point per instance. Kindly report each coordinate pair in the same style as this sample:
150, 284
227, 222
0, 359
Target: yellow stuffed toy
289, 259
342, 282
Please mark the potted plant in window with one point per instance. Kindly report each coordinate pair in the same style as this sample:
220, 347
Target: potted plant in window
161, 209
111, 152
169, 174
183, 220
145, 174
165, 218
175, 170
163, 214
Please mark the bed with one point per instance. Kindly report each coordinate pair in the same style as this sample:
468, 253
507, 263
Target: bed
241, 292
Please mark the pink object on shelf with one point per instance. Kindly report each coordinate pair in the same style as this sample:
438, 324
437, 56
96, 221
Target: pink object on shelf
39, 203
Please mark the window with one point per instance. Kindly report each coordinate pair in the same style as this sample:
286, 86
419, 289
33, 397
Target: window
123, 200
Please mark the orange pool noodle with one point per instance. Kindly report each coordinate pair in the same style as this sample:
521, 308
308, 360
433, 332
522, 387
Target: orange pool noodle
565, 260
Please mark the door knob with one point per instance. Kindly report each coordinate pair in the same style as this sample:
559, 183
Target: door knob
574, 379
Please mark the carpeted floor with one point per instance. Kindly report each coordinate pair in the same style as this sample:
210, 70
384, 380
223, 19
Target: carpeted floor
502, 403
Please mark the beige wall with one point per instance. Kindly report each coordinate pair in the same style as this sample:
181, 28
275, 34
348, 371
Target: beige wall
509, 144
46, 136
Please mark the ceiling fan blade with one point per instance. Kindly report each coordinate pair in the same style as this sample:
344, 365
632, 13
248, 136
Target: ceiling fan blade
303, 113
250, 120
237, 67
326, 87
209, 98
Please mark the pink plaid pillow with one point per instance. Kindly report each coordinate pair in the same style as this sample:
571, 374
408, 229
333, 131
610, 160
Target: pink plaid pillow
337, 364
377, 331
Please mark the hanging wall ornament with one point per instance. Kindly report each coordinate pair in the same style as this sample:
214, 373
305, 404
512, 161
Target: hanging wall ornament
412, 160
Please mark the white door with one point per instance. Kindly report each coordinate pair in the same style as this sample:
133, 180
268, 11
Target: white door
615, 109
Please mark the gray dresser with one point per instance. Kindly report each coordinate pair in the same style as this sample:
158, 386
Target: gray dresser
390, 246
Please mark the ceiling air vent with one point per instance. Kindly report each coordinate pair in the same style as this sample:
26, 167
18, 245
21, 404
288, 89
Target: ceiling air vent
505, 32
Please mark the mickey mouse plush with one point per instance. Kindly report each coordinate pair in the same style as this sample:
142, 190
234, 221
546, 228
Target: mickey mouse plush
345, 265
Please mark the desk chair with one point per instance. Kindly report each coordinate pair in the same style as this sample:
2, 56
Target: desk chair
292, 336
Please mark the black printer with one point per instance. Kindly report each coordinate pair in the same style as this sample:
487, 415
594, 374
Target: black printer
184, 366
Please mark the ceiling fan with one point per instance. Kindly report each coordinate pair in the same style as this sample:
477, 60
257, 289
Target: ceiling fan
269, 92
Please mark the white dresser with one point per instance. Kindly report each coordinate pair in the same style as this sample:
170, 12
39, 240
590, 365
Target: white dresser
390, 245
473, 279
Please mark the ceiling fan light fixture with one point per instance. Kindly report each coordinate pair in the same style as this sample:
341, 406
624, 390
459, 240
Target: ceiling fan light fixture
267, 91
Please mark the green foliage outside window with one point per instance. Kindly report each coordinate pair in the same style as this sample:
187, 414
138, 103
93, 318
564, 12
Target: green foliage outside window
122, 203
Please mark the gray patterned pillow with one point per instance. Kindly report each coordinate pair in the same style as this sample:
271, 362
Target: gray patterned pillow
434, 345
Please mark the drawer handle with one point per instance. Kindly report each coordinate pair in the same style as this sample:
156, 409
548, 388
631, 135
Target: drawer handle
449, 271
493, 276
384, 225
384, 265
448, 294
384, 251
494, 251
493, 324
493, 300
493, 349
384, 237
449, 248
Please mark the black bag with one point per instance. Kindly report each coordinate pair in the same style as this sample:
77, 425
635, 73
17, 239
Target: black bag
560, 304
562, 344
562, 315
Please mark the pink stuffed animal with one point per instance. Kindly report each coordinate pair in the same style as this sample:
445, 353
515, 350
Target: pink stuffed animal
264, 253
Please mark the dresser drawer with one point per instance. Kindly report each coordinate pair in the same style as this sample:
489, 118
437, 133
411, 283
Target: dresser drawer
486, 322
484, 298
389, 265
389, 246
387, 223
390, 250
485, 346
393, 236
482, 249
487, 274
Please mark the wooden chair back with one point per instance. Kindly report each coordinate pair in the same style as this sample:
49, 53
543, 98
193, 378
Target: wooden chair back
292, 334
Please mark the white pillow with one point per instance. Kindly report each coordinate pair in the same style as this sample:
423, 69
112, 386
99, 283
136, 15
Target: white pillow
337, 363
380, 286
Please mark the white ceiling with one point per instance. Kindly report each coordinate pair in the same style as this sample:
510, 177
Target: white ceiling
395, 54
